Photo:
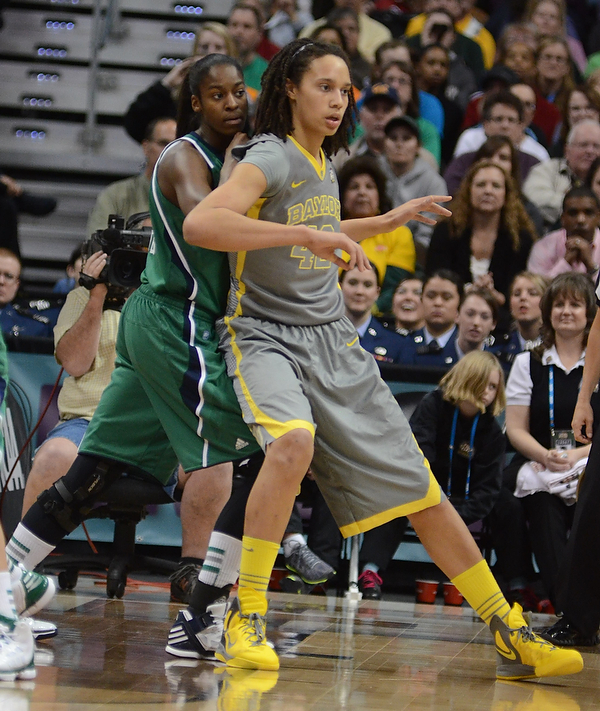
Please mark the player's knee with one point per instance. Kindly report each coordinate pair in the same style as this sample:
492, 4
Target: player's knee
294, 451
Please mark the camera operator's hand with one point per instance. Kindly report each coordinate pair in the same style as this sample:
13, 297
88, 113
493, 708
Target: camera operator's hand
93, 267
13, 188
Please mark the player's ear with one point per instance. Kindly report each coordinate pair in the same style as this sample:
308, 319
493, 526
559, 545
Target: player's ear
196, 105
290, 89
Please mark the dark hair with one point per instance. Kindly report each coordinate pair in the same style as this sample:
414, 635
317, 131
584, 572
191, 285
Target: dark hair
364, 165
187, 119
260, 19
274, 112
433, 45
590, 94
314, 35
581, 191
412, 108
574, 284
501, 97
487, 296
589, 178
136, 219
149, 132
338, 13
492, 145
343, 273
448, 275
75, 255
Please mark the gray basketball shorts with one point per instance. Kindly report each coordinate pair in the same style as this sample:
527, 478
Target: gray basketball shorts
366, 462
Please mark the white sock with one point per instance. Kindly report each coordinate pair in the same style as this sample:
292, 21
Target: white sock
222, 563
26, 548
8, 614
372, 567
290, 543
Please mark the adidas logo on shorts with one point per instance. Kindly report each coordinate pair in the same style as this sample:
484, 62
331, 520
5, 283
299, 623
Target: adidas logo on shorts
241, 443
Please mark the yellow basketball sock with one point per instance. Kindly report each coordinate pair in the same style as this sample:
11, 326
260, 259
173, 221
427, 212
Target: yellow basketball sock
258, 558
481, 591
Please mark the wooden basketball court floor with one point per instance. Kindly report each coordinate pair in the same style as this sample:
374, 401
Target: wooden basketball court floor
335, 655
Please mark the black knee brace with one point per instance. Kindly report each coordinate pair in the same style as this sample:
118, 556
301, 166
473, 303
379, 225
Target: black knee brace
70, 499
248, 467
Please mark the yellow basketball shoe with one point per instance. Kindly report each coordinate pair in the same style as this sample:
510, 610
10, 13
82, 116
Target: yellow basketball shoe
244, 644
524, 655
242, 689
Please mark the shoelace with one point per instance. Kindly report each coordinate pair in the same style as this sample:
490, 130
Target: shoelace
528, 635
182, 572
255, 627
370, 579
310, 558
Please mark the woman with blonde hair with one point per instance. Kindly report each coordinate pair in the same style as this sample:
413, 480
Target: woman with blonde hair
487, 239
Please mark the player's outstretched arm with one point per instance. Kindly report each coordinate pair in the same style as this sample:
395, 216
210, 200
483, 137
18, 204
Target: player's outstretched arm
361, 228
583, 416
219, 222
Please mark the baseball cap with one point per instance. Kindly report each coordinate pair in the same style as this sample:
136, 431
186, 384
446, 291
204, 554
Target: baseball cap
378, 91
406, 121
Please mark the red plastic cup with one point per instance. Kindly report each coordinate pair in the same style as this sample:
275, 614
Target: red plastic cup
426, 591
452, 595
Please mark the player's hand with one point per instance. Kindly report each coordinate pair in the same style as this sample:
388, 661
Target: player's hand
583, 421
324, 244
230, 162
93, 267
411, 210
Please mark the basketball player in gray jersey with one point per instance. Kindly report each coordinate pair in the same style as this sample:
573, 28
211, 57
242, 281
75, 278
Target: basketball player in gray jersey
306, 388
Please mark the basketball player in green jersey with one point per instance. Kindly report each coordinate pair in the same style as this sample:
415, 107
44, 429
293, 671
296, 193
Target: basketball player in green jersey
306, 388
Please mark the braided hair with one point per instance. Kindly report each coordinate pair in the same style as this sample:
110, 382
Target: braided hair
187, 119
274, 111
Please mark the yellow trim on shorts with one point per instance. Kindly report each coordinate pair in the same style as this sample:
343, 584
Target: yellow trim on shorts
431, 498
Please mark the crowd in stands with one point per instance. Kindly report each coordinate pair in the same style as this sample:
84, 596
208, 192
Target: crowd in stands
500, 108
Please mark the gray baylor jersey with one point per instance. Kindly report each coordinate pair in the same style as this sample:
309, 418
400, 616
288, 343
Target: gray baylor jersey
289, 285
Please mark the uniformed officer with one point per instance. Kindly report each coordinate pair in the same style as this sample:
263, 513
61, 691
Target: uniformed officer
361, 290
36, 318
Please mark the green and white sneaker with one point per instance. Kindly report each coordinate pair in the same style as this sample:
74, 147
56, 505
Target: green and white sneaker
31, 591
16, 652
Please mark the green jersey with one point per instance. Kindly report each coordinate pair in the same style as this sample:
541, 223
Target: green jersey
176, 268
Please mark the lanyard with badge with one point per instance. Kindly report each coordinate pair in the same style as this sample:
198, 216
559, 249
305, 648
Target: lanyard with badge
561, 440
471, 442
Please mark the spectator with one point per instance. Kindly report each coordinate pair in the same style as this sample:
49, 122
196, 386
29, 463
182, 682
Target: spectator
432, 69
407, 307
582, 103
17, 320
245, 26
68, 283
286, 21
403, 79
360, 291
408, 175
159, 100
130, 196
477, 318
488, 238
548, 182
433, 344
330, 34
371, 33
525, 294
575, 247
363, 194
541, 394
554, 74
592, 180
498, 78
526, 93
459, 418
346, 20
549, 17
502, 115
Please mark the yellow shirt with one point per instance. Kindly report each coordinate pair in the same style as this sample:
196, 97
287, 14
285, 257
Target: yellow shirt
396, 249
468, 26
80, 396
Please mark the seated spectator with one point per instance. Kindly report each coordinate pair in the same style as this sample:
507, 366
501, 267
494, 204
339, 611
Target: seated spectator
159, 100
360, 291
498, 78
371, 33
363, 194
549, 17
131, 196
592, 180
464, 23
541, 395
554, 77
455, 426
576, 246
35, 319
245, 25
402, 78
433, 344
68, 283
477, 318
548, 182
501, 151
502, 115
582, 103
407, 307
346, 20
432, 69
488, 238
526, 93
286, 21
408, 175
14, 200
525, 294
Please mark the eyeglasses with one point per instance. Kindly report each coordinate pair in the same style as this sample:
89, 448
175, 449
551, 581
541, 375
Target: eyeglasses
8, 277
500, 119
553, 58
530, 105
586, 144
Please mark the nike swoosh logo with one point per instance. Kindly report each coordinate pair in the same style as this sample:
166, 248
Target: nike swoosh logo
352, 342
297, 185
250, 550
503, 649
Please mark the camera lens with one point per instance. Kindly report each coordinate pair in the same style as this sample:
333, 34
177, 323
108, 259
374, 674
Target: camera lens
125, 267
